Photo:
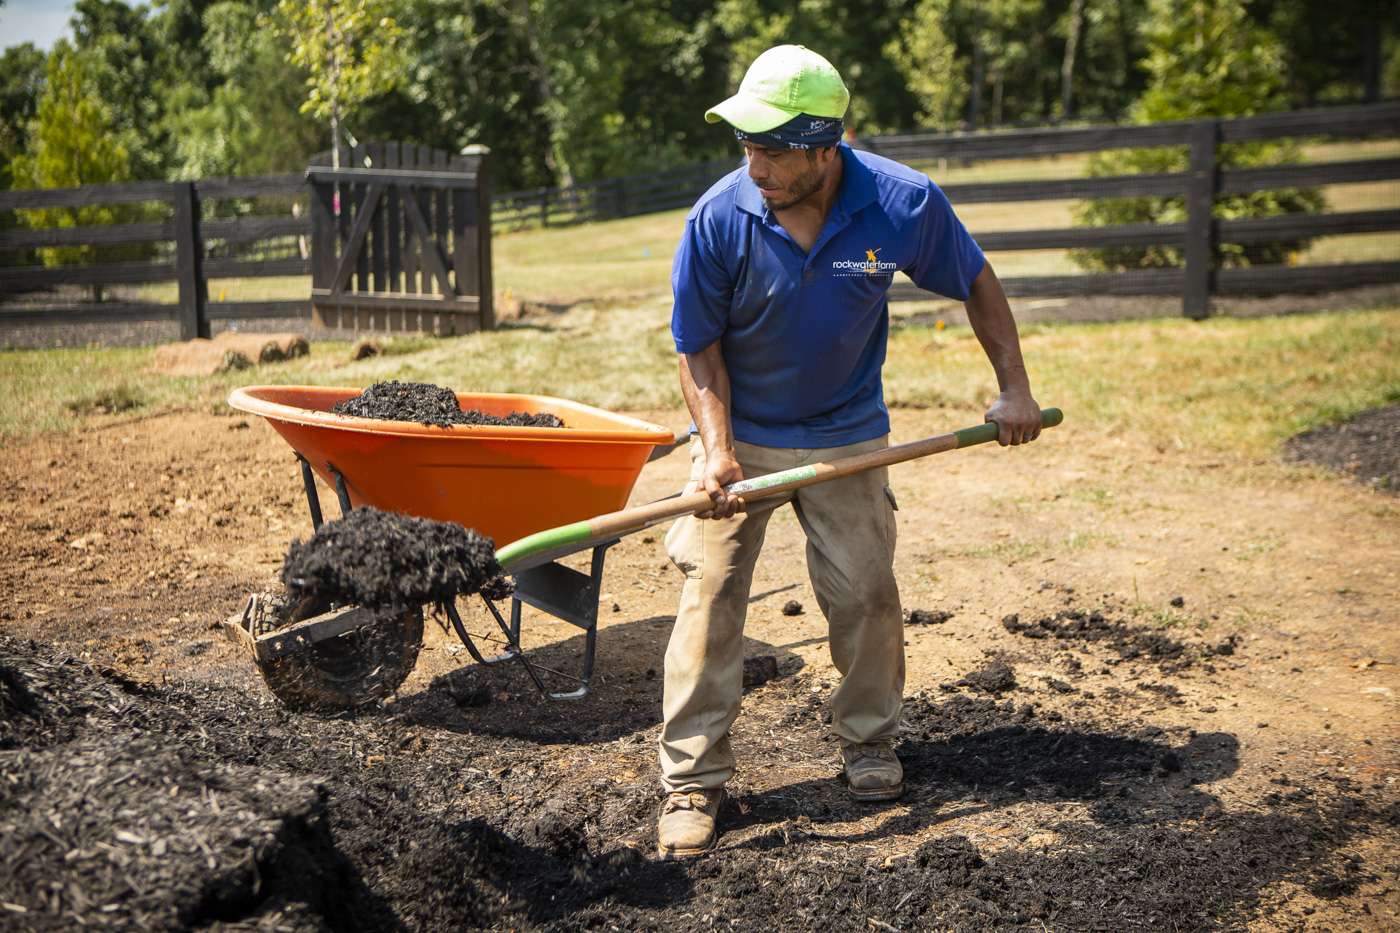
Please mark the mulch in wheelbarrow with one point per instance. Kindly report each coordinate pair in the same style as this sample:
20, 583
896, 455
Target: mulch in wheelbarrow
429, 404
387, 560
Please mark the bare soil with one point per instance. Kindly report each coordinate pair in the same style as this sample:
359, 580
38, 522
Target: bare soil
1164, 697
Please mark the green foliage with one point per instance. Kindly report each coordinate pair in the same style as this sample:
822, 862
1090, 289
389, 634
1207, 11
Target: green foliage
563, 90
71, 142
124, 54
350, 50
21, 82
250, 122
927, 59
1206, 59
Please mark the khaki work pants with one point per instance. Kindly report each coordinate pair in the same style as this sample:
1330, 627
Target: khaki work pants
850, 528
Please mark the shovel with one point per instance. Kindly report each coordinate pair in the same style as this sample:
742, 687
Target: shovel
544, 546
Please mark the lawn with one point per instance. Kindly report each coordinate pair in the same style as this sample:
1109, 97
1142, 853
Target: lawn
1223, 384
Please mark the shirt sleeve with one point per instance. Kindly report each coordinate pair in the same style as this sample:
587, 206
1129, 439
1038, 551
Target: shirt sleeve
948, 258
701, 289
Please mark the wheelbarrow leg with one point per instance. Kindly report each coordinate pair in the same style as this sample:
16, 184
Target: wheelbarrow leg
560, 591
313, 498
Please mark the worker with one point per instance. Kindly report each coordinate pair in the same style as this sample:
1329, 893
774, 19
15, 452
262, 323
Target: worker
780, 320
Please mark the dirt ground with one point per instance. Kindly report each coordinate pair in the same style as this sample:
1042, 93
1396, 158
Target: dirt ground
1148, 689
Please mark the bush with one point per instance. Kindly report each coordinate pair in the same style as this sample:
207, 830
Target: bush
1205, 60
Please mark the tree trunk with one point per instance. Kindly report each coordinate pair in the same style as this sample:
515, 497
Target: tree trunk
998, 87
979, 73
1076, 23
1375, 57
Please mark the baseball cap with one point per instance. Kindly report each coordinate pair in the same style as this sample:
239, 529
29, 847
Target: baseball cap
781, 83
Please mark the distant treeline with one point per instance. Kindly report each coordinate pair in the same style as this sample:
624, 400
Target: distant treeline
566, 90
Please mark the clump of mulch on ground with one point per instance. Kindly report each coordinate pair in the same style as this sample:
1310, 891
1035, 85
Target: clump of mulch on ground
927, 616
424, 403
1129, 642
387, 560
995, 678
1367, 447
792, 608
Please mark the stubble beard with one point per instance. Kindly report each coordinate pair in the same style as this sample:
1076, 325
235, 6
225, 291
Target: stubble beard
802, 188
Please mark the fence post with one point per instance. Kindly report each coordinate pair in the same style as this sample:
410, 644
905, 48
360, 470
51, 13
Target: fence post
483, 240
189, 262
1201, 187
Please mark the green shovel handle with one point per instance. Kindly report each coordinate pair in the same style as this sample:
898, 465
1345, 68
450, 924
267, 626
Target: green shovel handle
986, 433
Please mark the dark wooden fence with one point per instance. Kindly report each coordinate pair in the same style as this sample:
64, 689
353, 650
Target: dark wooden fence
1204, 180
195, 243
609, 199
415, 256
179, 247
1199, 185
410, 249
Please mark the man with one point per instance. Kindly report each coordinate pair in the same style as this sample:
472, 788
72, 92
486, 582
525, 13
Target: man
780, 320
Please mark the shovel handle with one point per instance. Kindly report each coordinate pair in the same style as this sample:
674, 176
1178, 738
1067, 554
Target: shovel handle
544, 546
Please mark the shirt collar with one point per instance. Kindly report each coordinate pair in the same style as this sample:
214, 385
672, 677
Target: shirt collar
857, 188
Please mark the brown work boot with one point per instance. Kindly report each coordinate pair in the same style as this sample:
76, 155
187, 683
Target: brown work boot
687, 823
873, 771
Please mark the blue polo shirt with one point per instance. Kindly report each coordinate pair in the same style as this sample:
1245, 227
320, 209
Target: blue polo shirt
803, 334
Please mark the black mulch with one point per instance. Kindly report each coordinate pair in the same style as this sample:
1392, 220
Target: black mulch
1367, 447
430, 404
384, 559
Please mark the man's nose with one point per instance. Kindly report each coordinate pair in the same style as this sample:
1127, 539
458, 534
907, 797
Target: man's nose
757, 171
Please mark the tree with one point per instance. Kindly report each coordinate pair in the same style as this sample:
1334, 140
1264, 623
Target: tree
351, 50
249, 122
21, 82
928, 61
1206, 59
71, 143
123, 56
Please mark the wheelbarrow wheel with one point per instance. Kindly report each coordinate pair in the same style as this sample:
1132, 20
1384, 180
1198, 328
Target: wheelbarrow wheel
351, 670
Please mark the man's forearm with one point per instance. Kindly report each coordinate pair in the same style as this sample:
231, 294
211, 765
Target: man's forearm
990, 316
705, 385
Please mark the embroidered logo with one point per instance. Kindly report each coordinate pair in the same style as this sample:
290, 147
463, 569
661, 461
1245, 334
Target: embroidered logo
870, 265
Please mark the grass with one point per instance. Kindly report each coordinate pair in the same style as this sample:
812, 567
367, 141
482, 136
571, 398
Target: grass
1226, 384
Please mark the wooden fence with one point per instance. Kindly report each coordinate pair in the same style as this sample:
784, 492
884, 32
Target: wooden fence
180, 243
410, 247
611, 198
1199, 186
179, 246
1203, 181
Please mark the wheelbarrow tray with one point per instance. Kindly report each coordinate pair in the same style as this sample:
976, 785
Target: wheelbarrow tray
505, 482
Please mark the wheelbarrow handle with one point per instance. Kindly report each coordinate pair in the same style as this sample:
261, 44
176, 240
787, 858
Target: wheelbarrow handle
544, 546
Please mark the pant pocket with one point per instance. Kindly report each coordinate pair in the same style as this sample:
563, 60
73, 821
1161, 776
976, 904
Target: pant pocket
685, 545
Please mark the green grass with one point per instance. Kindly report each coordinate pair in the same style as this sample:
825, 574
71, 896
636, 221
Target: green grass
1222, 384
1227, 384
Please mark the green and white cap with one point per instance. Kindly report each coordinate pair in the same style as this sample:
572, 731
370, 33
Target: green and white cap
783, 82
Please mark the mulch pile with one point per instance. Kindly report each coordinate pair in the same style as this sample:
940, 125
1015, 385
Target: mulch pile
1367, 447
387, 560
430, 404
128, 806
1129, 642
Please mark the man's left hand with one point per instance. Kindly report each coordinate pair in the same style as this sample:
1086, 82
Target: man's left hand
1017, 416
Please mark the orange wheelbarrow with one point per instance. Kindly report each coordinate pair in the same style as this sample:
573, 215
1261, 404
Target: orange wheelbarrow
505, 482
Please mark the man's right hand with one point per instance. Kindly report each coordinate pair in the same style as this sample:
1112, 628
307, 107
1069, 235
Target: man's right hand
721, 469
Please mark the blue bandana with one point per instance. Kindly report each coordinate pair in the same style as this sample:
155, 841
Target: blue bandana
801, 132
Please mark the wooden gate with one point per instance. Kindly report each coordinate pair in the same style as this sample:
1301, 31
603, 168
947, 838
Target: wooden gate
401, 240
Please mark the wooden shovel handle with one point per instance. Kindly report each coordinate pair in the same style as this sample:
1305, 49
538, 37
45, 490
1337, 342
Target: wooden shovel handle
536, 548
